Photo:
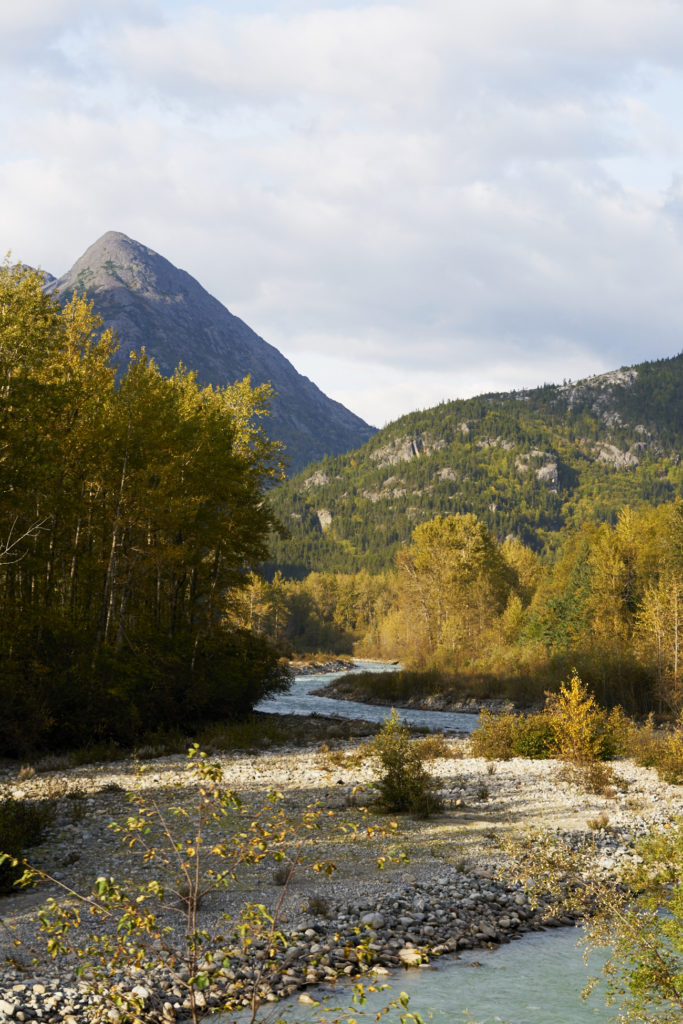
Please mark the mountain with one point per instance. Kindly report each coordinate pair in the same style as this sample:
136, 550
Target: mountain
528, 463
150, 302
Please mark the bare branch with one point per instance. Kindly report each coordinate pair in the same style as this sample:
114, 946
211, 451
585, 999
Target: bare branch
8, 547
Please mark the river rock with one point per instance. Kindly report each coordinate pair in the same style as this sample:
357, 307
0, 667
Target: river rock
410, 957
374, 921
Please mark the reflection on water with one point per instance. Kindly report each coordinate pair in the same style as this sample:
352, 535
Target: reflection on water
299, 701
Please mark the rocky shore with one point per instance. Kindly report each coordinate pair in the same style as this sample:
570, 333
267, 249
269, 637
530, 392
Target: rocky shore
345, 689
314, 668
445, 898
368, 935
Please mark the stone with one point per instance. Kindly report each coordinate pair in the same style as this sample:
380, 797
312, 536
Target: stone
373, 920
307, 1000
409, 956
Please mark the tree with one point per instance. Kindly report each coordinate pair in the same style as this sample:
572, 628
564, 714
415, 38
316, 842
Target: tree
659, 637
453, 583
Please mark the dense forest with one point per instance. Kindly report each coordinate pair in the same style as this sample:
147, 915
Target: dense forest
130, 511
478, 613
529, 465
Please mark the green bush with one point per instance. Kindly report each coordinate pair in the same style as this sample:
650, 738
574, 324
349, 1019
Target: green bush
571, 726
534, 738
404, 783
22, 824
496, 736
659, 749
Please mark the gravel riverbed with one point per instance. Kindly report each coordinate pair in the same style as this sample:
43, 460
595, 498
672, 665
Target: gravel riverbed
443, 898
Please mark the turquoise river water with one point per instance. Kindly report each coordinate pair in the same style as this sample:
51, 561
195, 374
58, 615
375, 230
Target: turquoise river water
537, 979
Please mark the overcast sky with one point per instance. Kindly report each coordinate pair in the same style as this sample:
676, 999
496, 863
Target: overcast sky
413, 201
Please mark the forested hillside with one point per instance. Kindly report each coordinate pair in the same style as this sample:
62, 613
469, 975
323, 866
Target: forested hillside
129, 511
529, 464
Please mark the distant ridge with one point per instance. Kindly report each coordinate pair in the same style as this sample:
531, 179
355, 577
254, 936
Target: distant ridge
529, 464
151, 303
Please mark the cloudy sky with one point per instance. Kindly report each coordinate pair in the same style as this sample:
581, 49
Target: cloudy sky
413, 200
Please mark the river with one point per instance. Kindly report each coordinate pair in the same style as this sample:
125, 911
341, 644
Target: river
535, 980
300, 701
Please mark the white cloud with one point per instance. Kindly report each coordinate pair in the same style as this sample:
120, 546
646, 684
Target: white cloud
421, 187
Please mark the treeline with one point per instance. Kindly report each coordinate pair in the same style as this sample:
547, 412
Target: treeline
130, 511
609, 604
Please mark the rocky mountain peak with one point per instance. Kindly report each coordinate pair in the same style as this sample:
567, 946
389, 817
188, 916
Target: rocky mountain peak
152, 303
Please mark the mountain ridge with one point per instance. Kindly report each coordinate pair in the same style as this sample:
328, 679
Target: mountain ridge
528, 463
152, 303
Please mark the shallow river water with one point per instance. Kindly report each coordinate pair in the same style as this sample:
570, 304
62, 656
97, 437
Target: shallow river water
300, 701
535, 980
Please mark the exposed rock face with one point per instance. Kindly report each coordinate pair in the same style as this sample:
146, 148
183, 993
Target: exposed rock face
600, 387
151, 303
403, 449
613, 455
547, 472
319, 479
324, 519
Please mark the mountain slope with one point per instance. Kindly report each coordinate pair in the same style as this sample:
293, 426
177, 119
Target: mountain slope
527, 463
150, 302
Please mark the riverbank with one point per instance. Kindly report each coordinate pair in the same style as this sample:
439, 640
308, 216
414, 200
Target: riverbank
443, 899
348, 689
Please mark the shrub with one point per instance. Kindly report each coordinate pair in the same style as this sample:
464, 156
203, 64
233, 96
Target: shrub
22, 824
435, 746
535, 737
659, 749
580, 725
282, 874
319, 906
495, 738
618, 735
404, 783
572, 727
